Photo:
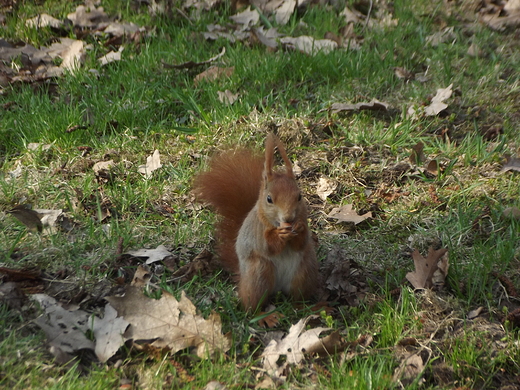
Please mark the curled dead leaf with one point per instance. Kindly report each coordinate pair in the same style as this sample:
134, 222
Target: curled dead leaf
309, 45
153, 163
417, 155
437, 104
111, 56
433, 167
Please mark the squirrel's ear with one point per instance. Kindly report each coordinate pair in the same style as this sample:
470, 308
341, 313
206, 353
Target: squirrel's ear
281, 150
269, 156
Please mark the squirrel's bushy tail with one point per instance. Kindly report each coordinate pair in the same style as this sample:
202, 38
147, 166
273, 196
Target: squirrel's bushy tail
231, 187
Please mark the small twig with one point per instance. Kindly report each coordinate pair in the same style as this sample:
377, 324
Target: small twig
368, 16
181, 12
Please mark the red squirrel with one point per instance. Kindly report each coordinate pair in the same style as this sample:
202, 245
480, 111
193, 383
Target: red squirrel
263, 235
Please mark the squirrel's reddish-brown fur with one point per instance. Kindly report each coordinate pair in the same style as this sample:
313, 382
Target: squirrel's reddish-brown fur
262, 235
241, 170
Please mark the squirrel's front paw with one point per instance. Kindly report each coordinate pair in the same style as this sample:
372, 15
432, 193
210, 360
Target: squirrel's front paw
285, 231
298, 227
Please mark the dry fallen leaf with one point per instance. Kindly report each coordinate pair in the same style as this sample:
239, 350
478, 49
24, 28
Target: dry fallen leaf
246, 18
417, 155
341, 277
117, 29
28, 217
12, 295
505, 17
373, 105
153, 255
88, 16
352, 16
215, 385
141, 277
49, 219
411, 367
38, 146
441, 36
216, 31
108, 333
440, 274
433, 167
475, 313
266, 382
17, 172
73, 56
153, 163
267, 37
309, 45
511, 213
227, 97
425, 268
294, 346
169, 323
43, 20
403, 73
111, 56
201, 265
103, 166
66, 329
512, 164
270, 320
200, 5
347, 214
213, 73
437, 104
325, 188
284, 12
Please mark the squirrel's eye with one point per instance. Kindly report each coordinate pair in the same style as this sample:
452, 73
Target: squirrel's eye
269, 199
299, 197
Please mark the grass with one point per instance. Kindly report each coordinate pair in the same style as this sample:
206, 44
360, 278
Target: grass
138, 105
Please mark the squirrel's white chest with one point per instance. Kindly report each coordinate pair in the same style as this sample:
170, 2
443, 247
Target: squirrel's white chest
286, 263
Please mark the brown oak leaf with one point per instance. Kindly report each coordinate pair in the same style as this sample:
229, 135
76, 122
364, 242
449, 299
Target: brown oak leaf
425, 268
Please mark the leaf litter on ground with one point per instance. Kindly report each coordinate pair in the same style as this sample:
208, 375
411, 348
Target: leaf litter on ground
164, 323
169, 323
297, 344
336, 283
39, 63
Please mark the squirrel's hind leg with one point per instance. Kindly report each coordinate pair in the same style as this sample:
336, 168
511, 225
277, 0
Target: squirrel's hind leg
256, 282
